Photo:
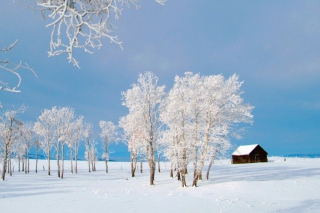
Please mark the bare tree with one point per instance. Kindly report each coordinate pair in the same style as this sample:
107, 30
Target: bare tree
10, 131
12, 68
44, 127
108, 135
144, 100
78, 134
81, 23
36, 145
87, 134
27, 134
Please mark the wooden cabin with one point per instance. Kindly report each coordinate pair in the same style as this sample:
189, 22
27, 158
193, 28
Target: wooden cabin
249, 154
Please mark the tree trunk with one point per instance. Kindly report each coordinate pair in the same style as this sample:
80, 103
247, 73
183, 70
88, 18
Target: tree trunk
171, 173
89, 165
49, 171
19, 159
208, 171
178, 175
195, 161
58, 160
71, 162
28, 163
4, 164
152, 173
37, 151
76, 159
159, 164
10, 167
62, 166
141, 169
22, 164
183, 178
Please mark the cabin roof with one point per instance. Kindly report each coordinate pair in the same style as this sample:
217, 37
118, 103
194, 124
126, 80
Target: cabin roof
244, 150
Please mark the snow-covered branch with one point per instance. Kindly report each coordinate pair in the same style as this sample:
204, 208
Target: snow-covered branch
12, 68
82, 23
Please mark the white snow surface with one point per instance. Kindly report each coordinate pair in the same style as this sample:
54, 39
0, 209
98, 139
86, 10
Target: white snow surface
244, 150
277, 186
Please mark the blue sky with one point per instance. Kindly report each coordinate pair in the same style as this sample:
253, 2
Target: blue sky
273, 45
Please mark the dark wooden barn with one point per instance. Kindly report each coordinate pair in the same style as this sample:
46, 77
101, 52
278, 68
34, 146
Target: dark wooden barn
249, 154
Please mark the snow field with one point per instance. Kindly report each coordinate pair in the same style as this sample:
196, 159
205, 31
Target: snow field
278, 186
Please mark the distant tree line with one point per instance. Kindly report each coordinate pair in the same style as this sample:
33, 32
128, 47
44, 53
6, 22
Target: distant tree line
55, 131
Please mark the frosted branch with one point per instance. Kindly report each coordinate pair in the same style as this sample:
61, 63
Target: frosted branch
85, 23
12, 68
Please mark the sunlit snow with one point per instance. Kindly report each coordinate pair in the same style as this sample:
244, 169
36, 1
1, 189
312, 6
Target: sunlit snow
278, 186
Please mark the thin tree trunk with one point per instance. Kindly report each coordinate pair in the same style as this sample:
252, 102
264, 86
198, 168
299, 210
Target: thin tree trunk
4, 164
133, 165
62, 166
19, 159
178, 175
159, 164
71, 162
49, 171
28, 163
37, 151
58, 159
76, 159
10, 167
183, 178
22, 164
208, 171
195, 161
141, 169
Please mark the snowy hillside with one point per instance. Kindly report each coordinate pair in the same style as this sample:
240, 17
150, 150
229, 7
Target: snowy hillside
278, 186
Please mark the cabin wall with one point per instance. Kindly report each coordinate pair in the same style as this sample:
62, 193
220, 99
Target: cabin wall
258, 155
236, 159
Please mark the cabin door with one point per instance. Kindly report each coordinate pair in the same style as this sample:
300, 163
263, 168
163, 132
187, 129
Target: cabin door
257, 158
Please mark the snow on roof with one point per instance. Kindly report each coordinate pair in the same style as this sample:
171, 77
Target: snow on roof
244, 150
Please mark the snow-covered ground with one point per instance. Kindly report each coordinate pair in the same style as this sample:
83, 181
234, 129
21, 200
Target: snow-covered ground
278, 186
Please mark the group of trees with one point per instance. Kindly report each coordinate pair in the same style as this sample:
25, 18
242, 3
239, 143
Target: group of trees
55, 131
192, 123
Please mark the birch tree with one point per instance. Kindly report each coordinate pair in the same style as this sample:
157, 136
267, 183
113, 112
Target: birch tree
135, 137
87, 134
144, 98
73, 139
200, 115
10, 131
82, 24
108, 135
27, 136
36, 145
224, 107
44, 127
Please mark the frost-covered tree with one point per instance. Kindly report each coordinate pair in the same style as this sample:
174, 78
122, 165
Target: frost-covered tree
201, 113
6, 66
27, 136
73, 140
64, 119
44, 127
144, 100
134, 135
89, 144
10, 132
108, 135
81, 23
224, 108
36, 145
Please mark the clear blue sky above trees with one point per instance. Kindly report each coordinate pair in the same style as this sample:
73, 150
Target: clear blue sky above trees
273, 45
